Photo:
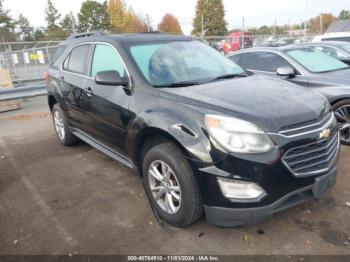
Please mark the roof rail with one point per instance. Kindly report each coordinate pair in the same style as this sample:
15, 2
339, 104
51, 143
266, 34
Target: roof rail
152, 32
86, 34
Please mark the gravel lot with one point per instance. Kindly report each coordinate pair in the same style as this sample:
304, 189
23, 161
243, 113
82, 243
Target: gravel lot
59, 200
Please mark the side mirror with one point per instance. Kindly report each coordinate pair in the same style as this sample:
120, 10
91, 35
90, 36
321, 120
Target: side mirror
286, 71
110, 78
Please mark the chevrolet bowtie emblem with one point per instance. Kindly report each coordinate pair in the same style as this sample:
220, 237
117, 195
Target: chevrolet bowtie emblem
325, 134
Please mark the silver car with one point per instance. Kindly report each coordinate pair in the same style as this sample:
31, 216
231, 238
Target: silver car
308, 67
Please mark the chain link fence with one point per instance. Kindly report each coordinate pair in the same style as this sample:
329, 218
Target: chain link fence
28, 61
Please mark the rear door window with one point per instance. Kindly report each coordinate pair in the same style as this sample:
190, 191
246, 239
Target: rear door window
78, 59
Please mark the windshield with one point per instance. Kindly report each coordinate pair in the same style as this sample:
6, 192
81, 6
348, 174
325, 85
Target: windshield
192, 62
316, 61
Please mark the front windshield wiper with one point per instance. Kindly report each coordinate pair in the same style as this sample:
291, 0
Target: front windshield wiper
193, 83
179, 84
228, 76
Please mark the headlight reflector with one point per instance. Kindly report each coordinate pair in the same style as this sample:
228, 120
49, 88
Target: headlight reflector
236, 135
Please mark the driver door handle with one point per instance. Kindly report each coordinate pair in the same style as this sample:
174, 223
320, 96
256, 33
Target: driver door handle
89, 92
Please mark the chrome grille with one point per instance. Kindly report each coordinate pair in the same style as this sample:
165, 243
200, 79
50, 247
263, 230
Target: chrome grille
314, 158
309, 126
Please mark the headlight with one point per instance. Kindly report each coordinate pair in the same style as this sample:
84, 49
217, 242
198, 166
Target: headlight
236, 135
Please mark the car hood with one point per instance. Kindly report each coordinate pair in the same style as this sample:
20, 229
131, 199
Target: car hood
269, 103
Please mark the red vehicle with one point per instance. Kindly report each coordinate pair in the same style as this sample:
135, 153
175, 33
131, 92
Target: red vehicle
234, 42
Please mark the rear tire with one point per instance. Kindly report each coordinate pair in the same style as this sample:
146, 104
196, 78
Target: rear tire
60, 123
173, 190
342, 113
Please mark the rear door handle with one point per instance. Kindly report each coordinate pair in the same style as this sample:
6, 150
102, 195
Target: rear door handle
89, 92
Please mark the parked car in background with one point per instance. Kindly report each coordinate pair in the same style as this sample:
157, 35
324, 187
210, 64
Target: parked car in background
285, 41
272, 41
236, 41
200, 133
220, 46
338, 49
307, 67
338, 36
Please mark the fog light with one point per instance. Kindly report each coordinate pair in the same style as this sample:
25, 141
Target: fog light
241, 191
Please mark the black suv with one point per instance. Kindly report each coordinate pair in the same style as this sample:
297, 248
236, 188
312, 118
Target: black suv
200, 133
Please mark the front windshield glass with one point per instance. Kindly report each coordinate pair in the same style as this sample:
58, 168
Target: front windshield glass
316, 61
192, 62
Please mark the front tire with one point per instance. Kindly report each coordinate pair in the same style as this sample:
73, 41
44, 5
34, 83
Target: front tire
63, 132
342, 113
171, 185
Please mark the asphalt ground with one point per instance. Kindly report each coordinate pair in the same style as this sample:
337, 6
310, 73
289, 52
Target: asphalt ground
75, 200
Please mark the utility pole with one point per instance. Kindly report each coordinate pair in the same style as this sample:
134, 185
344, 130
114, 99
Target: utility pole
305, 21
243, 34
321, 24
73, 22
274, 28
148, 23
202, 24
289, 26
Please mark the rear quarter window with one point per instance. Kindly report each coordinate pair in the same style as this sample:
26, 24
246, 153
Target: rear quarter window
58, 53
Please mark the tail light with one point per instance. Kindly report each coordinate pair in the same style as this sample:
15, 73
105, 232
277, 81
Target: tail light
46, 75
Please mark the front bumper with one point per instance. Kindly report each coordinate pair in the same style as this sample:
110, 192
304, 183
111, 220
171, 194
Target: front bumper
231, 217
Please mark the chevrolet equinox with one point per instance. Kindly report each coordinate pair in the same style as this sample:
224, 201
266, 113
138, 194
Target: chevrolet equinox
202, 135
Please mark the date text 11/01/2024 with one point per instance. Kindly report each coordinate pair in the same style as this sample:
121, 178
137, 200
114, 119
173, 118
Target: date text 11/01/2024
173, 258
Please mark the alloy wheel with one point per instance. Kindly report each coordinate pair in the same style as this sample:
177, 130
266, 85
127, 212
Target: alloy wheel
165, 187
59, 125
342, 115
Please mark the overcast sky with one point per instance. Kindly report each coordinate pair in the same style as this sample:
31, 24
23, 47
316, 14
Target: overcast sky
256, 12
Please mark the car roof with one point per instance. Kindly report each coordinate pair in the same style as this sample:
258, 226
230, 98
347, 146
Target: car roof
282, 48
255, 49
325, 43
124, 38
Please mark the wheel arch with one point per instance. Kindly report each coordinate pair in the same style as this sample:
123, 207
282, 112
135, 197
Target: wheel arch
338, 99
51, 101
152, 136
